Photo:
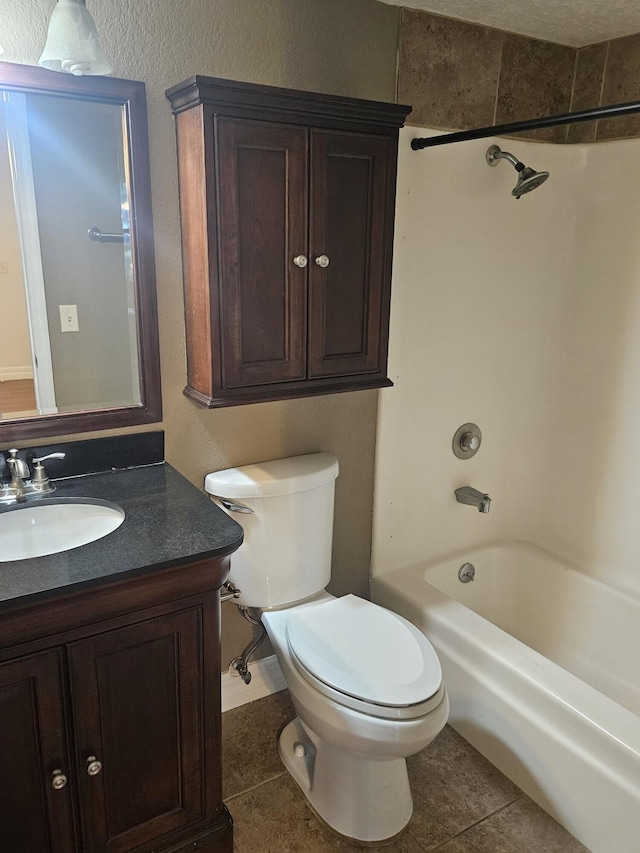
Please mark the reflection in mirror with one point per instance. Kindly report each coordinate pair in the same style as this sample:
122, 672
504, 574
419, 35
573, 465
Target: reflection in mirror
79, 343
75, 341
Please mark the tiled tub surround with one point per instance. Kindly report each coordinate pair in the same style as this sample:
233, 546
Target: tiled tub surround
462, 804
459, 75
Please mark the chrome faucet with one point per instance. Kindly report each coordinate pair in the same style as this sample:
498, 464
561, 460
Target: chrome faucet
468, 495
23, 484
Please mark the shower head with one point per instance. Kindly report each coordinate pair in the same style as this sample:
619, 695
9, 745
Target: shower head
528, 179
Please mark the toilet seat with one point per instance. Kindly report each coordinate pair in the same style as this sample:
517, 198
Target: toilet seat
366, 657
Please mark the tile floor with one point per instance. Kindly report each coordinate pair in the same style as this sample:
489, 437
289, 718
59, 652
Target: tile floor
462, 804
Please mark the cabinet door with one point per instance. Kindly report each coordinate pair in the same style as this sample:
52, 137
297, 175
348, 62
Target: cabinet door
350, 228
137, 694
35, 817
262, 217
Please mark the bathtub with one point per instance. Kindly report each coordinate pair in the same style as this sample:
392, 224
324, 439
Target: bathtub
542, 666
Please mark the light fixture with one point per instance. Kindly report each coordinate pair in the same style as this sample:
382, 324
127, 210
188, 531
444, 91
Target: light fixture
72, 41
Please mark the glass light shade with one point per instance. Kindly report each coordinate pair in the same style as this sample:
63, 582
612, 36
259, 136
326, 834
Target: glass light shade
72, 41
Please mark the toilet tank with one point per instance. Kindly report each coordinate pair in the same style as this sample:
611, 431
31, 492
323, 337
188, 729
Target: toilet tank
286, 553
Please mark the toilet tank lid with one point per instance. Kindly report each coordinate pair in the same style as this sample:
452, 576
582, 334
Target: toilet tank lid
276, 477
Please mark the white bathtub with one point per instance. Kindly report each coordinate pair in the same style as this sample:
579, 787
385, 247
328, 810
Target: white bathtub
542, 665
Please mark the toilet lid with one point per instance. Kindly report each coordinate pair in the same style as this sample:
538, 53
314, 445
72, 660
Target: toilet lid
365, 651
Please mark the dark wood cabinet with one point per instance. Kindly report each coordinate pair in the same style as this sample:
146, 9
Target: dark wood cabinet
287, 207
140, 689
35, 809
263, 301
110, 735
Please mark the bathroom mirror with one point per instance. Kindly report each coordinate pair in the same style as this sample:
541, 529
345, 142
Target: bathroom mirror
79, 343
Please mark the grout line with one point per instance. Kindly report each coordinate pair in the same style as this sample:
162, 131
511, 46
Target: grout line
603, 82
605, 71
573, 91
499, 76
401, 33
254, 787
471, 825
574, 79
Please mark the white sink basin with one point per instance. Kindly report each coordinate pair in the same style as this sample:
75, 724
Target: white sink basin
48, 527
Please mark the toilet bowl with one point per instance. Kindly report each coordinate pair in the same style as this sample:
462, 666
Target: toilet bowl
366, 685
360, 714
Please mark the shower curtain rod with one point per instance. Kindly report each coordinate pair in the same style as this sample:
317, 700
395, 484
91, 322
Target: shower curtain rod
529, 124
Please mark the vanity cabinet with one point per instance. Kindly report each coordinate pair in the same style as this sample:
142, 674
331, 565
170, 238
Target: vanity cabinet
110, 708
287, 208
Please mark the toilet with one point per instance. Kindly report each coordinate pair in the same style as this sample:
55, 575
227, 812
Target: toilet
366, 685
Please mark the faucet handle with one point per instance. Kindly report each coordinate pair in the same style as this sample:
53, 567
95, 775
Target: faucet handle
40, 459
40, 478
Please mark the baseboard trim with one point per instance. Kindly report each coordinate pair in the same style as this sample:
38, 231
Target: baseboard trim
11, 374
266, 678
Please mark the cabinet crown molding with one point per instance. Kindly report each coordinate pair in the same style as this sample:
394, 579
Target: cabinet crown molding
292, 106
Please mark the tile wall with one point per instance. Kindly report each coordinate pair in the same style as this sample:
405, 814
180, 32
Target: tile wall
459, 75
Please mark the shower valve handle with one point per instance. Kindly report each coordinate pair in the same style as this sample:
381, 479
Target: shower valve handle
470, 441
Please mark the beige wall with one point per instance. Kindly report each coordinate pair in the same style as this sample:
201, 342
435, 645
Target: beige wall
523, 317
593, 459
476, 292
347, 48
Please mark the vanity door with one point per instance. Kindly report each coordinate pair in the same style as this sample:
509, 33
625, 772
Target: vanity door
35, 777
137, 694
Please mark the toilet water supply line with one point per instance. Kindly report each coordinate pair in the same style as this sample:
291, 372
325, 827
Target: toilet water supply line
240, 665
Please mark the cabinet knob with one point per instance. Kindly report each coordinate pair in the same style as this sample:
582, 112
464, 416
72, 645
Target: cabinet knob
300, 261
322, 261
58, 780
93, 765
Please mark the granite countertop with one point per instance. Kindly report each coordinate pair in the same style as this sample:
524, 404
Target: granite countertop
168, 522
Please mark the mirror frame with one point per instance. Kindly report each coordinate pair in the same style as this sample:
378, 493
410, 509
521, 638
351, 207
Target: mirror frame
130, 95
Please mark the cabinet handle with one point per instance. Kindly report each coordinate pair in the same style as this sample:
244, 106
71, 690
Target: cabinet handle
300, 261
58, 780
322, 261
93, 766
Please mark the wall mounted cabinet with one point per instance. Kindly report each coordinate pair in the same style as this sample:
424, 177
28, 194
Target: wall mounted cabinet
287, 208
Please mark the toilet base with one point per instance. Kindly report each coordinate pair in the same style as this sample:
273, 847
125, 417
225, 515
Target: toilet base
364, 799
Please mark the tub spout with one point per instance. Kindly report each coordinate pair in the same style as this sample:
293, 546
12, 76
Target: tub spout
468, 495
